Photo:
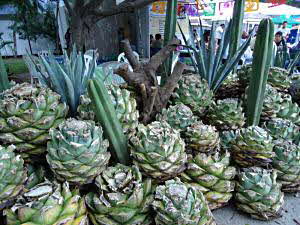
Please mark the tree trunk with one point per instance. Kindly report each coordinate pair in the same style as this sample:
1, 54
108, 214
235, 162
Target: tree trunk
77, 33
29, 43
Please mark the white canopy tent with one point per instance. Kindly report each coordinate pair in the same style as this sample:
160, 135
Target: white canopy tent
265, 10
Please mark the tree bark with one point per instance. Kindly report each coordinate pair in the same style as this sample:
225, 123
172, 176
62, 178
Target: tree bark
150, 96
85, 16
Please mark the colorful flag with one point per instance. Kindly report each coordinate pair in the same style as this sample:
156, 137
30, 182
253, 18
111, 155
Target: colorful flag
210, 9
159, 8
276, 2
252, 5
225, 8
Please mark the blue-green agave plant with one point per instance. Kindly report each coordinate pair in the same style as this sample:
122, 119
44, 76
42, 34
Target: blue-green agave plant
68, 79
208, 62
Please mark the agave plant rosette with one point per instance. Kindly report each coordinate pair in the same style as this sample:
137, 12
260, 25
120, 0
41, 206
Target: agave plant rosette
12, 175
193, 92
48, 203
123, 199
252, 146
287, 164
124, 104
178, 116
259, 194
213, 176
158, 150
227, 114
77, 151
202, 138
179, 203
27, 112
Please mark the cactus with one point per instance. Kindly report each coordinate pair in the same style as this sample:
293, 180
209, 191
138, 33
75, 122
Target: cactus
260, 69
237, 26
4, 82
106, 114
170, 29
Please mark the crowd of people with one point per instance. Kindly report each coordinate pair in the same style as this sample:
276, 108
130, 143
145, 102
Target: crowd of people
280, 41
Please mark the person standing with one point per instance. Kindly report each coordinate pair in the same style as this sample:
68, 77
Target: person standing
158, 42
219, 33
284, 30
279, 40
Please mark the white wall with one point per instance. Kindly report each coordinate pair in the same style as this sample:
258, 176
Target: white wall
7, 36
22, 45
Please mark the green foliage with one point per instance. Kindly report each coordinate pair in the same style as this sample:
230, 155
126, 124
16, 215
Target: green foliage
208, 61
4, 43
15, 66
4, 82
293, 63
33, 19
281, 57
68, 79
106, 114
261, 64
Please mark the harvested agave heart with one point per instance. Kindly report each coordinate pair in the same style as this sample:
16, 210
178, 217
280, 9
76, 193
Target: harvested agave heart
259, 194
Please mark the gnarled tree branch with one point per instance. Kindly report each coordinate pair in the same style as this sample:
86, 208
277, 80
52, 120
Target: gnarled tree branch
150, 96
134, 62
162, 55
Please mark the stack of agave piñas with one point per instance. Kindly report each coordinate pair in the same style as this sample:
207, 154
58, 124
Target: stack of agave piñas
195, 157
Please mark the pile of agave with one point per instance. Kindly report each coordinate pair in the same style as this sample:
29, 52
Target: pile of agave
196, 157
59, 162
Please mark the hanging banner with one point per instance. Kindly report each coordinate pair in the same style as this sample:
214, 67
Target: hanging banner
191, 9
252, 5
181, 11
225, 8
276, 2
209, 9
159, 8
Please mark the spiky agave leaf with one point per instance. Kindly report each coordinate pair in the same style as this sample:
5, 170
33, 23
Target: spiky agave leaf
124, 198
258, 193
179, 203
158, 150
68, 79
77, 151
